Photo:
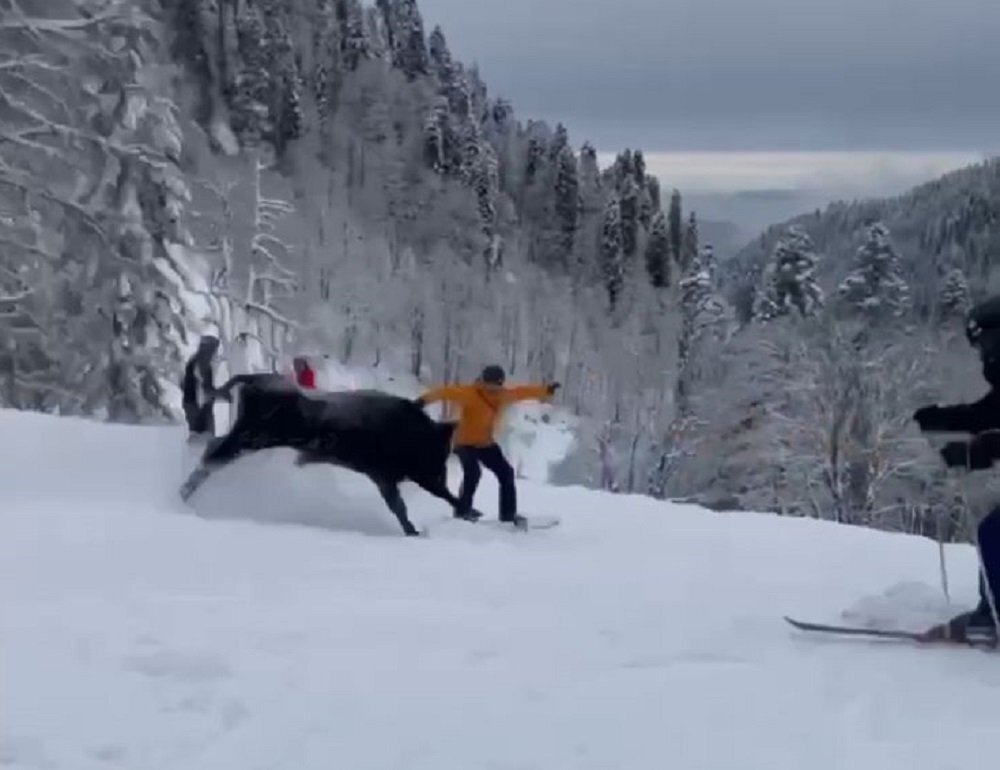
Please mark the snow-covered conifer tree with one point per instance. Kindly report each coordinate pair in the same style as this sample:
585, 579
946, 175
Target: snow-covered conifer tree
612, 253
790, 281
675, 222
658, 252
876, 287
955, 299
567, 202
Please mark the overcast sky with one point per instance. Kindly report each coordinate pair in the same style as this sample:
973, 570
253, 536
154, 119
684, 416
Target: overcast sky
742, 74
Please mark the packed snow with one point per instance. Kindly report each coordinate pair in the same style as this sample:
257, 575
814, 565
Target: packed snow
283, 623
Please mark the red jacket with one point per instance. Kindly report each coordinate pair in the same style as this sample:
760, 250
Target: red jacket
306, 378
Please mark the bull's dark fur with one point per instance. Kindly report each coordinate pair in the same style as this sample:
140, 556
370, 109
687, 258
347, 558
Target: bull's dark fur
387, 438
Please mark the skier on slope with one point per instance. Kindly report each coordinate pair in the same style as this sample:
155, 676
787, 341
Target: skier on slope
199, 390
982, 420
482, 403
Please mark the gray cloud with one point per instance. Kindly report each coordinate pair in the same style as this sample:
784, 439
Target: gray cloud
742, 74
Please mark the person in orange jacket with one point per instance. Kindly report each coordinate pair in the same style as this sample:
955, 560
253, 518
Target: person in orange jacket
482, 404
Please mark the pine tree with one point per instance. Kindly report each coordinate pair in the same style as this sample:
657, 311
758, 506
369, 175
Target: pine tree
955, 299
439, 56
535, 159
405, 28
436, 132
790, 279
702, 310
91, 320
628, 195
560, 142
676, 229
567, 202
689, 246
639, 167
265, 95
327, 71
653, 191
355, 45
658, 252
876, 287
612, 256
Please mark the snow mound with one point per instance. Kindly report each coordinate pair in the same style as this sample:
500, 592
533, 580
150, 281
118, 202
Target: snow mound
909, 606
137, 632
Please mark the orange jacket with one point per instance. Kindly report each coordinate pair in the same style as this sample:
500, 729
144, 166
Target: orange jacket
482, 408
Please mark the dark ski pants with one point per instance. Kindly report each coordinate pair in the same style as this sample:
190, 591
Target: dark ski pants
471, 458
200, 419
989, 546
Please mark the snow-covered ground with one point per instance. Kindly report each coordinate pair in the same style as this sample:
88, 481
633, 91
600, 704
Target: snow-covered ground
136, 633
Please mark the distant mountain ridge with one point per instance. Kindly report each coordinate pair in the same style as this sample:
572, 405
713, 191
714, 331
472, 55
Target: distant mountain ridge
947, 223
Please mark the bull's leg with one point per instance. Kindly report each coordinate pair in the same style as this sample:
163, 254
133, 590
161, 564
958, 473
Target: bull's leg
218, 454
390, 493
439, 490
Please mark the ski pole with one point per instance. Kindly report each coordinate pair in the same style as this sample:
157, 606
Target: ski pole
959, 477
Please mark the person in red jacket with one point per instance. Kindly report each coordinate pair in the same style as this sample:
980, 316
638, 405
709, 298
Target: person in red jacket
305, 375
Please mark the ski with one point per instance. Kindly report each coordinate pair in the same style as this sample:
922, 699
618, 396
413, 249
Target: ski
912, 636
934, 636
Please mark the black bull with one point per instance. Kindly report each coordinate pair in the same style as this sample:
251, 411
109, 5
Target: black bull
387, 438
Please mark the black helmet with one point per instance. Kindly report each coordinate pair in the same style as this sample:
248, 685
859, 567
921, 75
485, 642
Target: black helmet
493, 375
208, 346
983, 321
982, 329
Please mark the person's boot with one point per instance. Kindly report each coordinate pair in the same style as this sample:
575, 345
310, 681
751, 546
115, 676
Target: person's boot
976, 627
470, 515
516, 519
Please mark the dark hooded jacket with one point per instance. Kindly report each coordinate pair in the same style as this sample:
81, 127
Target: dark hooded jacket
198, 384
980, 419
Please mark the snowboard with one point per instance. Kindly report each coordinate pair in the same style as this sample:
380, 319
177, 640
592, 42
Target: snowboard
917, 637
530, 522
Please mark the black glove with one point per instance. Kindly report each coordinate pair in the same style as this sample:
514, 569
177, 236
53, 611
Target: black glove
927, 417
976, 455
224, 395
552, 387
957, 454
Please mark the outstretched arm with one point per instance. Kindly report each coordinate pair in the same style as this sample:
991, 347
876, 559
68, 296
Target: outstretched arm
977, 417
975, 455
529, 393
454, 393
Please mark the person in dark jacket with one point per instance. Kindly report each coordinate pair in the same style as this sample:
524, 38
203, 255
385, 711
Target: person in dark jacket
199, 389
981, 420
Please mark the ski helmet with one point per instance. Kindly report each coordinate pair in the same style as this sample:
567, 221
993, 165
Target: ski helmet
493, 375
982, 320
208, 346
982, 329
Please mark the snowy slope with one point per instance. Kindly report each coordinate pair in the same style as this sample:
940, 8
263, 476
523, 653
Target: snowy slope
137, 634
